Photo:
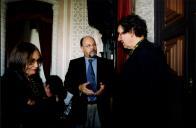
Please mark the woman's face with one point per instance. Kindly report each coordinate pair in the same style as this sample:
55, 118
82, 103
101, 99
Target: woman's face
34, 63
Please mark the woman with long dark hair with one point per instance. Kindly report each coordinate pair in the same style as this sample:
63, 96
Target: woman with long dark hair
22, 88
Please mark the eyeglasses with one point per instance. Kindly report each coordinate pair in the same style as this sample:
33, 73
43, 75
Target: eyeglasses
120, 34
33, 61
88, 46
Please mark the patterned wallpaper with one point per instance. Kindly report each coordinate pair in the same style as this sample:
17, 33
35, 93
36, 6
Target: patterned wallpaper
79, 27
145, 8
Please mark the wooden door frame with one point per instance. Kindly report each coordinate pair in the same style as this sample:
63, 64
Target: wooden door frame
160, 35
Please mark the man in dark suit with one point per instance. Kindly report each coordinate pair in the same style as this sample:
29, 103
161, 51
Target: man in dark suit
142, 90
91, 106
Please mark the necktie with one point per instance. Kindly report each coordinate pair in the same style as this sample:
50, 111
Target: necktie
91, 79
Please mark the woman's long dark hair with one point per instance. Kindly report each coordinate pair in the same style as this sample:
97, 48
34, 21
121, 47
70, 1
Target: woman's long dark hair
21, 55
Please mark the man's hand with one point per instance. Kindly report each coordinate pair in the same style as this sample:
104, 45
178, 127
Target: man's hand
30, 102
84, 89
101, 89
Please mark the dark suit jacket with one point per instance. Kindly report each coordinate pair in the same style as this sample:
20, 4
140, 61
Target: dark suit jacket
76, 75
141, 92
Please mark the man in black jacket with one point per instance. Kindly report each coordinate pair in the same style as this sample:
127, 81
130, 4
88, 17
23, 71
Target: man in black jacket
77, 82
142, 90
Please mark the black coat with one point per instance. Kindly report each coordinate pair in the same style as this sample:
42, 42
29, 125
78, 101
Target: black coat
141, 92
16, 89
76, 75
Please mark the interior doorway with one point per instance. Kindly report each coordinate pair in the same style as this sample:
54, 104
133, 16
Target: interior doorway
175, 30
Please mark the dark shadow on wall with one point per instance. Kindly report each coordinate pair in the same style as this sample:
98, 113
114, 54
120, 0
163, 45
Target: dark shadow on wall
102, 15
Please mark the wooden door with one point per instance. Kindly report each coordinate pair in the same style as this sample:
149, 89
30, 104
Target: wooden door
178, 37
175, 32
174, 35
171, 33
174, 43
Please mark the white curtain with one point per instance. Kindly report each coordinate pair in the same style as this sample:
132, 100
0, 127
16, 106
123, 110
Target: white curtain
34, 39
